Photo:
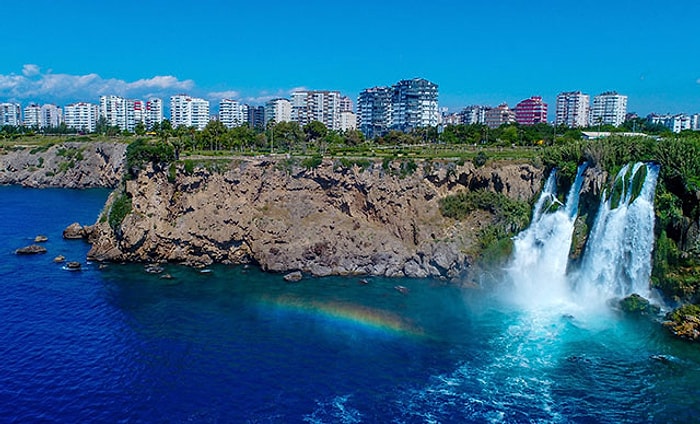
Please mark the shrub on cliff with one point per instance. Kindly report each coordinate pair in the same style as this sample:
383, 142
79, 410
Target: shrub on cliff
119, 209
143, 151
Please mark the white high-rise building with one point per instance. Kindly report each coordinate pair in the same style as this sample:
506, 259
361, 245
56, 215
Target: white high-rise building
675, 123
573, 109
154, 112
32, 116
608, 108
51, 116
81, 116
322, 106
188, 111
134, 113
45, 116
278, 110
122, 113
10, 114
695, 122
473, 115
113, 109
414, 104
232, 113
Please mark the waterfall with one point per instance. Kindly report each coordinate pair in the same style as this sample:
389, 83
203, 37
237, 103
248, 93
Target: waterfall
541, 252
617, 258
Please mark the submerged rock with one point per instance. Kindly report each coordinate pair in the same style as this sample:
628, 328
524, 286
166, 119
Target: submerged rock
32, 249
293, 277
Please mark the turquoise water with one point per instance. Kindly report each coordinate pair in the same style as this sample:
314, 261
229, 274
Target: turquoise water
239, 345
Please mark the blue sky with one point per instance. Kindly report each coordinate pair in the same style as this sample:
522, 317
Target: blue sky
479, 52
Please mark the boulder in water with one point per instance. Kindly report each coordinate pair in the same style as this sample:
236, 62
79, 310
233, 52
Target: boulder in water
73, 266
40, 238
74, 231
293, 277
32, 249
684, 322
636, 304
60, 258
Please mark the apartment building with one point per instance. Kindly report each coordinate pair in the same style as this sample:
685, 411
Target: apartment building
278, 110
232, 113
414, 104
188, 111
374, 111
609, 108
318, 105
572, 109
154, 112
531, 111
497, 116
10, 114
81, 116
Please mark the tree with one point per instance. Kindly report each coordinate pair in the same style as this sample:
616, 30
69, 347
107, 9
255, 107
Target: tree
140, 128
214, 132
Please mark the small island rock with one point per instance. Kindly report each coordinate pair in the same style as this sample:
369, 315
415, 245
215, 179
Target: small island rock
73, 266
59, 259
74, 231
40, 239
31, 250
293, 277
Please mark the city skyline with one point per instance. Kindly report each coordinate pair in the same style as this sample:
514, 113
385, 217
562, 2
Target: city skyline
478, 52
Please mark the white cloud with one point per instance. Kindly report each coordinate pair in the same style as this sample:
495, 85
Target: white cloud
228, 94
33, 84
30, 70
698, 81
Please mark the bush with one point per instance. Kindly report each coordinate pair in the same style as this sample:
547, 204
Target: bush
312, 162
120, 208
480, 159
143, 151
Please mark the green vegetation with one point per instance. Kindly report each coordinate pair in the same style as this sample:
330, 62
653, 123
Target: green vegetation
510, 217
312, 162
143, 151
119, 209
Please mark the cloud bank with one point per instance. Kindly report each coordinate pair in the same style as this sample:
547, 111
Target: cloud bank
33, 84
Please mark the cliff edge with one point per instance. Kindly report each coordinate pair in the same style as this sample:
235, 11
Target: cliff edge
65, 165
331, 219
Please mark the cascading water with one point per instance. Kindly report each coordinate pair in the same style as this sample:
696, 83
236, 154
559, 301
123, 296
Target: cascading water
541, 252
617, 259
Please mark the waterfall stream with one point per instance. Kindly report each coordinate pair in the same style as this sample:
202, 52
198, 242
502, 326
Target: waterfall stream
617, 258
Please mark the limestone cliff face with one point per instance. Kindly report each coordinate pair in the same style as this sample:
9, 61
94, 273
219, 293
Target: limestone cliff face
327, 220
66, 165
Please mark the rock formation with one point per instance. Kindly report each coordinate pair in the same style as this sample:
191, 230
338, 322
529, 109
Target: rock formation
328, 220
66, 165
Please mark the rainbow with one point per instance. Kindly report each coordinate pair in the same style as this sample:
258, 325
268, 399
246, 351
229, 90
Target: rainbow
374, 319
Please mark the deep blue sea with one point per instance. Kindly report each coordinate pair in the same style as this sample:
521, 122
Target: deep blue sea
236, 345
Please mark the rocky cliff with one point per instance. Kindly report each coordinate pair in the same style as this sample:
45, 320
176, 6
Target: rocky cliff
66, 165
332, 219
